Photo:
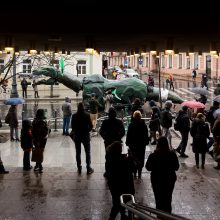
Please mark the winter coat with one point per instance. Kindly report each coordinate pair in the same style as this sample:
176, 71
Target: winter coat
200, 132
13, 118
66, 108
163, 165
26, 139
154, 124
112, 129
40, 132
119, 170
216, 128
81, 124
137, 134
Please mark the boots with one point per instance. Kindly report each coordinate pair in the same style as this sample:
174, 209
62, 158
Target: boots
2, 169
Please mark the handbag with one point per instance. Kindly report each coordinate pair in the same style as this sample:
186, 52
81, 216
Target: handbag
72, 135
37, 155
7, 119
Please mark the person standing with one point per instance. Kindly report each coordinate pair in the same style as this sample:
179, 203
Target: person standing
34, 85
194, 74
200, 132
119, 170
93, 107
137, 139
216, 136
40, 131
26, 143
81, 126
112, 129
154, 125
24, 85
184, 128
67, 112
166, 121
171, 79
163, 163
12, 119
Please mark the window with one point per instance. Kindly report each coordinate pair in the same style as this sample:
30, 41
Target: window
81, 67
170, 61
27, 66
2, 65
180, 61
187, 63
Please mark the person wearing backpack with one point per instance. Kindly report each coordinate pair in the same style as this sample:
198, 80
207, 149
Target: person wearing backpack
166, 122
183, 124
200, 132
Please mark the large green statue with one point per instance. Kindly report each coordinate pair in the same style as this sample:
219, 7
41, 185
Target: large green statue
124, 90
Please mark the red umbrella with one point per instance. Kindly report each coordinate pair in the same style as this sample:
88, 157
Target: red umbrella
193, 104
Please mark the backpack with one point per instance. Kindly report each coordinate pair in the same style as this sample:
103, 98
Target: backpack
166, 119
209, 116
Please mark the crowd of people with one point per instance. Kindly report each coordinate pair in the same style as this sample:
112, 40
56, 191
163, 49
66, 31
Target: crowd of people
122, 169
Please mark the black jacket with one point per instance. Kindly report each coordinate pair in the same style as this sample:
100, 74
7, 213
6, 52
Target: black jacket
112, 129
81, 124
163, 165
119, 170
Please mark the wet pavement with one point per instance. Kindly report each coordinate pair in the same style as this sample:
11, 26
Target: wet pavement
60, 193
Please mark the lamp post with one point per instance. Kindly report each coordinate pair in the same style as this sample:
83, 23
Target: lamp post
14, 91
158, 68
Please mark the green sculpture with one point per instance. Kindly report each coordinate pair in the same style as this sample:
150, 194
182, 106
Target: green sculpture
124, 90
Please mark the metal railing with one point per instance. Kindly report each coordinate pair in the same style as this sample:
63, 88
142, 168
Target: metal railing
144, 212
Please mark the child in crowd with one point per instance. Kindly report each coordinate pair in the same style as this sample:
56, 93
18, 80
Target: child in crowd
26, 143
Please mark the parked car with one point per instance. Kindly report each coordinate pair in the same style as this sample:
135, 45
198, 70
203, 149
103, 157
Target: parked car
131, 73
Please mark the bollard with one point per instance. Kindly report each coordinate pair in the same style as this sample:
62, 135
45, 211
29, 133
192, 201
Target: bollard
55, 121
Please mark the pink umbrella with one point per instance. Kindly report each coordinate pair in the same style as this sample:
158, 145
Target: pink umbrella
193, 104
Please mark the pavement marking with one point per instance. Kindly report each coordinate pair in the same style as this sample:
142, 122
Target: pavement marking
180, 92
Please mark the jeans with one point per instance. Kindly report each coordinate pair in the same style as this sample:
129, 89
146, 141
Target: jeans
85, 140
12, 130
24, 92
66, 123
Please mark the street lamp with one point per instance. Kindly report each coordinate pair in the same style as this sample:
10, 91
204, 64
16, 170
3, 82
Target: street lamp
14, 91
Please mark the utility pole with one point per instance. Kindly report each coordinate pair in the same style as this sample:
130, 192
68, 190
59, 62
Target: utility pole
158, 66
14, 91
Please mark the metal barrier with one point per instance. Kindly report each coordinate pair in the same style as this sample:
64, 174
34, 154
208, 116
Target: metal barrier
145, 212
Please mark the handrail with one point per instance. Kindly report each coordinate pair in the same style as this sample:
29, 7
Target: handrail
145, 212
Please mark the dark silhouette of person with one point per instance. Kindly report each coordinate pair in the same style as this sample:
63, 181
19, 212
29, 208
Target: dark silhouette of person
82, 125
112, 129
119, 170
40, 131
163, 163
26, 143
24, 85
137, 139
